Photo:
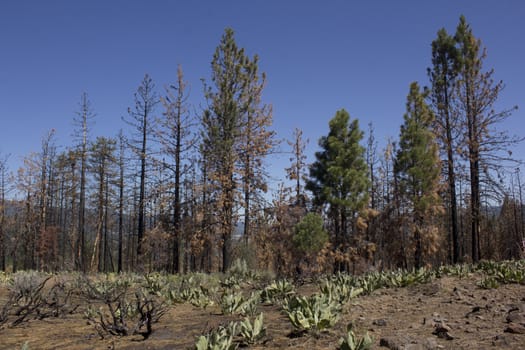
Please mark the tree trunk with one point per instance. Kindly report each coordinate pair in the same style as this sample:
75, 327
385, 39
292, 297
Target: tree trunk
120, 202
451, 182
178, 254
107, 249
2, 218
227, 224
247, 192
473, 147
418, 259
141, 223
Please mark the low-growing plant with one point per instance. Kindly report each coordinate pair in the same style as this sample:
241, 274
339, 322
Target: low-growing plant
315, 313
510, 274
240, 270
404, 278
218, 339
249, 307
232, 302
488, 283
58, 300
123, 317
26, 297
196, 296
339, 292
122, 312
253, 332
32, 295
231, 282
503, 272
343, 278
191, 289
371, 282
202, 279
277, 291
488, 266
155, 283
5, 278
23, 282
351, 342
460, 271
4, 313
108, 288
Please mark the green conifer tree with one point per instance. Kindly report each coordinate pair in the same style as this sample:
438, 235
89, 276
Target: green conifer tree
443, 74
235, 137
417, 169
339, 178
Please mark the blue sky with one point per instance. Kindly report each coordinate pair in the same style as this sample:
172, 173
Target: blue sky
319, 56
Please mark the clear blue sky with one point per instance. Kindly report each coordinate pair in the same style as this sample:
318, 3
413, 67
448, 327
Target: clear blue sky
319, 56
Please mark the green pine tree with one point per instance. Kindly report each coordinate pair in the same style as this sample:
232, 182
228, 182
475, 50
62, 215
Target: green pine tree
443, 75
309, 234
417, 169
235, 135
339, 178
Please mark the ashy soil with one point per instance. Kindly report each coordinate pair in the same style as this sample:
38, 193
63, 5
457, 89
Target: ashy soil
447, 313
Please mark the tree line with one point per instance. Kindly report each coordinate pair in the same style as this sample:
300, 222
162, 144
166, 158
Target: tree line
181, 191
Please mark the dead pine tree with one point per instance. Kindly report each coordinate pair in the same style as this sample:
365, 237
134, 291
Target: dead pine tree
485, 148
177, 141
81, 134
141, 120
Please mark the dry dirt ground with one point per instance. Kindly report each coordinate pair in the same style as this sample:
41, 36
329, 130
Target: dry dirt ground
447, 313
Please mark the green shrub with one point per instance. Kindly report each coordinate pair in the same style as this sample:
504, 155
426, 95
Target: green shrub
309, 234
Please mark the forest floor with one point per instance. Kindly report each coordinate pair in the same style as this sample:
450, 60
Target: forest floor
445, 313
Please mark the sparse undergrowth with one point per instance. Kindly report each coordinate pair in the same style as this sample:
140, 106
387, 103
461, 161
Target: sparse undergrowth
117, 306
122, 311
32, 295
